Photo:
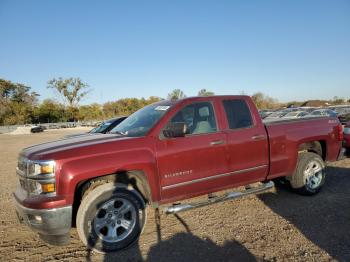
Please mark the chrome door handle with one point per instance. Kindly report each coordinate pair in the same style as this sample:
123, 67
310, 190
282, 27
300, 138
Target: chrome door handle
217, 142
258, 137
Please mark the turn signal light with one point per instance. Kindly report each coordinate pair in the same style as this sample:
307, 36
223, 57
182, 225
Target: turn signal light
46, 169
48, 188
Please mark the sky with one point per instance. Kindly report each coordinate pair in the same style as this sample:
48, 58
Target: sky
290, 50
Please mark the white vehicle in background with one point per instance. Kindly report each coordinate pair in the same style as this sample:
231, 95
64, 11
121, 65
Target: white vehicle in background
279, 114
296, 114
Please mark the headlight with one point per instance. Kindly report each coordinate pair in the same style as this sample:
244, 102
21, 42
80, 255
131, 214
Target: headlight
37, 187
347, 130
39, 177
41, 169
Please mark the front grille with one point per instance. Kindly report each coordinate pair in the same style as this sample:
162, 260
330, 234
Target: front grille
22, 165
23, 184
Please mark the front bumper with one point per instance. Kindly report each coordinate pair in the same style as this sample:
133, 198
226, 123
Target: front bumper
341, 155
346, 140
54, 222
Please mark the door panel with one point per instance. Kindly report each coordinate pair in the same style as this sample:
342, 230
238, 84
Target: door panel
247, 143
185, 163
248, 156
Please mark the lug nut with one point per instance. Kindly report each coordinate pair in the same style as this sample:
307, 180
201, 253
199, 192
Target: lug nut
109, 215
115, 212
118, 222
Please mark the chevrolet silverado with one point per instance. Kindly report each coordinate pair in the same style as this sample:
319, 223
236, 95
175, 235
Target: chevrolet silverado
163, 154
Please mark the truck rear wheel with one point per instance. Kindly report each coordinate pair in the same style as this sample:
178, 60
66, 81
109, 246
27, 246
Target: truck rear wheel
310, 174
111, 217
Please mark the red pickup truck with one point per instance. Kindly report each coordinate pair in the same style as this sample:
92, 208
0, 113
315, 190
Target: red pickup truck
162, 154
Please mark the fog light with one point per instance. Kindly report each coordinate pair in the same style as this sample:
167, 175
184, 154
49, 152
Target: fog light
38, 219
48, 188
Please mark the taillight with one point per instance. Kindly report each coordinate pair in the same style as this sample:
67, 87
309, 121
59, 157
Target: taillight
340, 133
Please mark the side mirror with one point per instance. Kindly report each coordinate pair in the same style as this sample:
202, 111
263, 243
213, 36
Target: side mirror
177, 129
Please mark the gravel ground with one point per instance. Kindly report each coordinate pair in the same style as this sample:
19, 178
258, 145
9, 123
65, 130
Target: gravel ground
274, 226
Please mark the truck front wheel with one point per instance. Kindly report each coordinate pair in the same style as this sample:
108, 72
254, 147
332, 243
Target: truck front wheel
111, 217
310, 174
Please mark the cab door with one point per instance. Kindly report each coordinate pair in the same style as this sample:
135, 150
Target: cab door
247, 143
188, 165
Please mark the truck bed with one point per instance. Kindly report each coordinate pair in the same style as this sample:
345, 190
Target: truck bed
286, 135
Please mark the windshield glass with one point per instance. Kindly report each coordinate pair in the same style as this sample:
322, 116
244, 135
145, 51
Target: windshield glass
140, 122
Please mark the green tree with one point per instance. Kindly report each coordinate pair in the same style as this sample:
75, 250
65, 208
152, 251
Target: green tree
90, 112
205, 92
17, 103
176, 94
263, 101
153, 99
49, 111
126, 106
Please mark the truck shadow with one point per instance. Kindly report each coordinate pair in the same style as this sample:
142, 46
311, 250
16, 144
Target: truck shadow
324, 218
184, 246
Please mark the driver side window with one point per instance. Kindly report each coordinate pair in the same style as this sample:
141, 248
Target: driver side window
198, 117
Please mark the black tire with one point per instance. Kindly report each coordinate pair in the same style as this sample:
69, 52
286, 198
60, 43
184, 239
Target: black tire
94, 201
302, 181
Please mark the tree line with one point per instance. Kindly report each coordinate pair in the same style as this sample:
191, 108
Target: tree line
20, 105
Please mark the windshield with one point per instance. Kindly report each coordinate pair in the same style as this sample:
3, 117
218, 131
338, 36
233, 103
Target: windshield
140, 122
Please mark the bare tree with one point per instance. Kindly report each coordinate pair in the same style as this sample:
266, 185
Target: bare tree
72, 90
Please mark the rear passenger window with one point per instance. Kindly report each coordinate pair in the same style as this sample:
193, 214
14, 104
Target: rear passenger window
237, 113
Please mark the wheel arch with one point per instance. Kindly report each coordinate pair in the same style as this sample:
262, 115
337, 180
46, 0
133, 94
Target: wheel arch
318, 147
137, 179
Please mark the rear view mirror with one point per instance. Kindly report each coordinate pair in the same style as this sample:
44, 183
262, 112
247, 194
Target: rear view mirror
177, 129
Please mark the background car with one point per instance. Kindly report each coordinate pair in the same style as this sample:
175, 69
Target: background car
324, 112
37, 129
344, 118
108, 125
265, 113
279, 114
296, 114
103, 128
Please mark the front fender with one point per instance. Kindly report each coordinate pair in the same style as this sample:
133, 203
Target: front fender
85, 168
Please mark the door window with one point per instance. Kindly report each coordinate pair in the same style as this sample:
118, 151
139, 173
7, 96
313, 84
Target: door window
237, 113
199, 118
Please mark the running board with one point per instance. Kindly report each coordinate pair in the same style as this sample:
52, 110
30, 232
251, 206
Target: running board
229, 196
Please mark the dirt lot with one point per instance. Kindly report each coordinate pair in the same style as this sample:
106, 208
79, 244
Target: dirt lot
275, 226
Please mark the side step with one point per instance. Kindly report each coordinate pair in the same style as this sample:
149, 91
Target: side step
229, 196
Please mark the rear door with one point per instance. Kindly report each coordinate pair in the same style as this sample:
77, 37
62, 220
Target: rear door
247, 142
188, 165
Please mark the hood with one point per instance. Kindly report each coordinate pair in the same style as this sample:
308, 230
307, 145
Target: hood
49, 149
78, 134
